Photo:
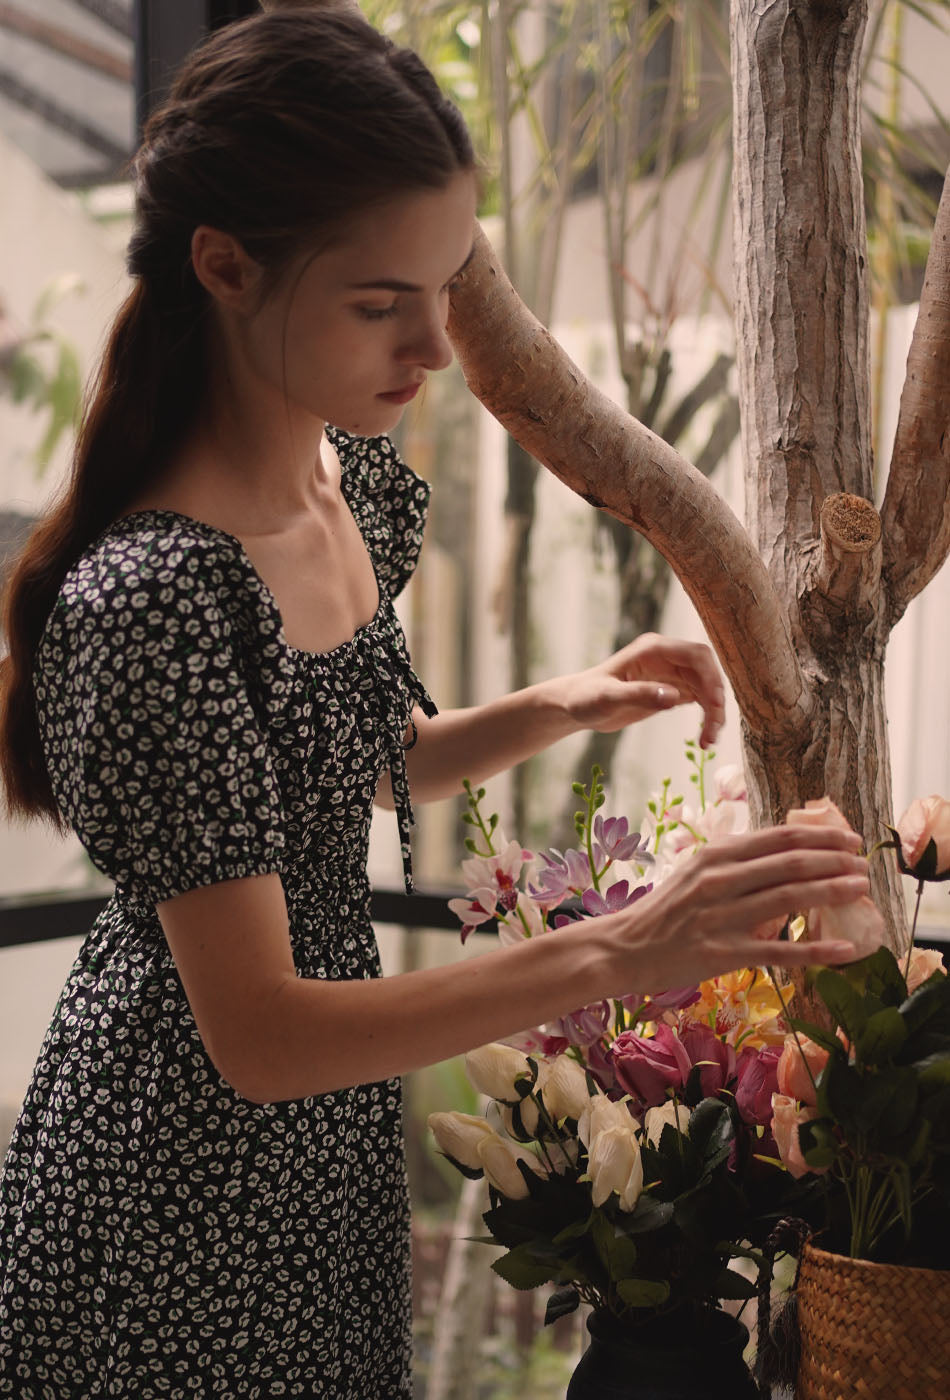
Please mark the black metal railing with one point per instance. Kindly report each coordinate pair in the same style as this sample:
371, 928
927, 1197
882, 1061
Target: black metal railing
40, 918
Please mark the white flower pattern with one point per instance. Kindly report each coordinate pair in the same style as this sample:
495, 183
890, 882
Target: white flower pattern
160, 1236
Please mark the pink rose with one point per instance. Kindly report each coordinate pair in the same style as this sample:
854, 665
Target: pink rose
794, 1080
756, 1082
718, 1060
859, 922
924, 962
645, 1067
926, 820
787, 1117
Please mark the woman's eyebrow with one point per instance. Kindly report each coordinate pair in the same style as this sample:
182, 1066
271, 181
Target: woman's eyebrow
392, 284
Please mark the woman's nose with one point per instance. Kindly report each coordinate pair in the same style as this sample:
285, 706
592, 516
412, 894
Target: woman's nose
430, 346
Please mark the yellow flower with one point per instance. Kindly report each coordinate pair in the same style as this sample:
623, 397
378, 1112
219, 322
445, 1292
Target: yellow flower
743, 1006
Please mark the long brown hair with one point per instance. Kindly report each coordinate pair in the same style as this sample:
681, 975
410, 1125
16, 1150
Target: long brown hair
278, 130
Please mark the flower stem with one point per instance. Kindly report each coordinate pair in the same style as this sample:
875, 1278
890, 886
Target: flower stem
913, 928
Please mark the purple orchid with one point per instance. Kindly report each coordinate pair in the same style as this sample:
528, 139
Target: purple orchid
560, 877
583, 1027
617, 897
615, 841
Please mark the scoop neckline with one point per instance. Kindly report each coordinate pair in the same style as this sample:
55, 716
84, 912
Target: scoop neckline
266, 593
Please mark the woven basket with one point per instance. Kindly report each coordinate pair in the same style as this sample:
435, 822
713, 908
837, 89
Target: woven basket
872, 1331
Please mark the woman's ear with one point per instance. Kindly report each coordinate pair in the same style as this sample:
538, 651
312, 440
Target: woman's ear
223, 268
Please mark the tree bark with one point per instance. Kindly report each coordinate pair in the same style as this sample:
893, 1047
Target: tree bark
799, 610
916, 510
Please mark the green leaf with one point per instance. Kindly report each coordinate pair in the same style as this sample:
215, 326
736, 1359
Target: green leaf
818, 1143
649, 1215
729, 1284
643, 1292
560, 1304
934, 1070
819, 1034
617, 1252
522, 1270
882, 1037
928, 1003
842, 1000
574, 1231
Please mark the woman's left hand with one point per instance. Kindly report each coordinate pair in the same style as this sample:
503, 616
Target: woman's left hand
651, 674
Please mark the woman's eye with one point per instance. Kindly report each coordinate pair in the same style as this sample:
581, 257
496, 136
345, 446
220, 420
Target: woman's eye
376, 313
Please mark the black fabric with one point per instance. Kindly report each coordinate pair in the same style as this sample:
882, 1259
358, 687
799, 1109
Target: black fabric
160, 1235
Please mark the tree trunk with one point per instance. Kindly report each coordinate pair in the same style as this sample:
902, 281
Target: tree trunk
801, 628
801, 301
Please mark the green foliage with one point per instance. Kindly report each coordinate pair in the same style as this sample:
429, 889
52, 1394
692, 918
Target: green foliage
42, 371
883, 1103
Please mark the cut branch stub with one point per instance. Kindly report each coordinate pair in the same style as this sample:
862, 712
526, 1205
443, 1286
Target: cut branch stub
540, 396
916, 510
847, 575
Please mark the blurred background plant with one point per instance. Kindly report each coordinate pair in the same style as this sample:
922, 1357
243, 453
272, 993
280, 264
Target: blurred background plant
39, 367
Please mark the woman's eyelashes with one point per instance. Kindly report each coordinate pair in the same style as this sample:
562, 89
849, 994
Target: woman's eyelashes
380, 313
377, 313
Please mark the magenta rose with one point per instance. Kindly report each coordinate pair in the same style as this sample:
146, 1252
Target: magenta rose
716, 1058
756, 1082
646, 1067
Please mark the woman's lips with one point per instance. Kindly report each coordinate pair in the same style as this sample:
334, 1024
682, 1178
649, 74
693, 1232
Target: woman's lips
402, 395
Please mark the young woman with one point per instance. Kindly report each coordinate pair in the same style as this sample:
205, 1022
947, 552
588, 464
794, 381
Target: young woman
206, 680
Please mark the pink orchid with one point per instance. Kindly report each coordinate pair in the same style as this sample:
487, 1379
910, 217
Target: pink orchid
476, 909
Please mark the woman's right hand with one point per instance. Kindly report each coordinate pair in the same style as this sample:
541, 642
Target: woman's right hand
721, 908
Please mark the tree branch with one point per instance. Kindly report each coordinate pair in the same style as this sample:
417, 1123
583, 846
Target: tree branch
540, 396
916, 510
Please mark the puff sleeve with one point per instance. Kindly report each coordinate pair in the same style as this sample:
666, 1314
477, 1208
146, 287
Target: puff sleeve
155, 753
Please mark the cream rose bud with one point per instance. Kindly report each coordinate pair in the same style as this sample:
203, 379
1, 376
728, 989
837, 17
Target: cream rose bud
563, 1086
926, 820
500, 1159
494, 1068
602, 1113
924, 962
458, 1135
656, 1119
530, 1118
614, 1163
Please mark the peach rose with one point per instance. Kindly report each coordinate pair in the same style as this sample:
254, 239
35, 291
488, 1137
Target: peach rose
820, 811
858, 923
924, 962
927, 819
787, 1116
794, 1080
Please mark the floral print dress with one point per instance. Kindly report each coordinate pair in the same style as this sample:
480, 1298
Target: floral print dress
160, 1235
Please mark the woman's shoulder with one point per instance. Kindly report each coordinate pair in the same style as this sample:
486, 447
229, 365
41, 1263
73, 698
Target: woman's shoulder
151, 562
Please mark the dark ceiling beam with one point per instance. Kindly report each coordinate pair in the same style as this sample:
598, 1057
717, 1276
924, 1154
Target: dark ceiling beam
63, 41
61, 119
116, 16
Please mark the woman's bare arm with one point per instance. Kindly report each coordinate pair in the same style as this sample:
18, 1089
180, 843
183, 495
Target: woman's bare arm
273, 1035
651, 674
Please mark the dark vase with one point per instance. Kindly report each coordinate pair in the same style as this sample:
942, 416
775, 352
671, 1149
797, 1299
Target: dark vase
697, 1356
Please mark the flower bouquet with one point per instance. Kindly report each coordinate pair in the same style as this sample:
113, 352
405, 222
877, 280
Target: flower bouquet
627, 1145
636, 1149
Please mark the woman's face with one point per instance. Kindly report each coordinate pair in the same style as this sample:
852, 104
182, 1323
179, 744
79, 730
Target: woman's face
349, 335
